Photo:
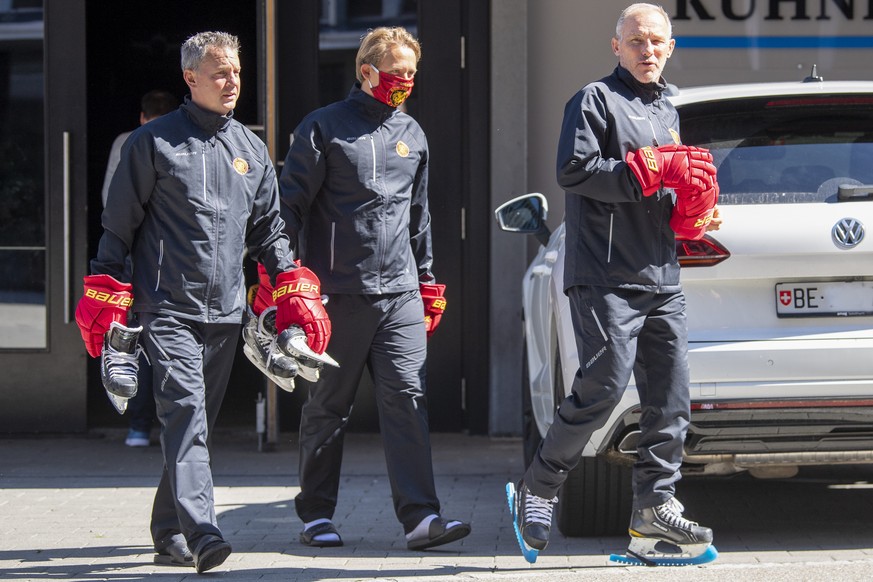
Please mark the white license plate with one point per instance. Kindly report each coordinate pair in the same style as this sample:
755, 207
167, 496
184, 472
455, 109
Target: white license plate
824, 298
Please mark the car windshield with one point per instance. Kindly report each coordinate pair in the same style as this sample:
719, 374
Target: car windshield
784, 150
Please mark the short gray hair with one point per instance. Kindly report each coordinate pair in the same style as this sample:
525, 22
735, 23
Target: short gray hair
195, 48
640, 7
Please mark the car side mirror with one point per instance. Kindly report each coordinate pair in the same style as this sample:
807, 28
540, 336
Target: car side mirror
525, 214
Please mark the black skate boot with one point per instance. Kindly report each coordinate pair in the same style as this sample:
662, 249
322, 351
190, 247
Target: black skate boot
660, 536
119, 363
259, 346
531, 519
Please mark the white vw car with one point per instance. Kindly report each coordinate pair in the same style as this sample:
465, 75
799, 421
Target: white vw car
780, 300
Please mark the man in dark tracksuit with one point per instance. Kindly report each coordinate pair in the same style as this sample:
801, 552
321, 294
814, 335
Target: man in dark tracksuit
354, 199
193, 192
622, 277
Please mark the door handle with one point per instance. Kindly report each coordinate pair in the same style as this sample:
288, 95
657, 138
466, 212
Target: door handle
66, 189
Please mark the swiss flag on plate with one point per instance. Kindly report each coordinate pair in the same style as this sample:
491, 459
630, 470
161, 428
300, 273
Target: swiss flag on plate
785, 297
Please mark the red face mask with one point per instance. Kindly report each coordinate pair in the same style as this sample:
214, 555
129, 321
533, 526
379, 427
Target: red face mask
391, 90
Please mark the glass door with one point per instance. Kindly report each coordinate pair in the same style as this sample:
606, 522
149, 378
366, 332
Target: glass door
23, 298
42, 210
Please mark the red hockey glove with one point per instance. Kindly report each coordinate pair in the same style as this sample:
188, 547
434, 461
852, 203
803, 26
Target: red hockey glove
693, 213
434, 305
263, 297
298, 302
105, 300
673, 166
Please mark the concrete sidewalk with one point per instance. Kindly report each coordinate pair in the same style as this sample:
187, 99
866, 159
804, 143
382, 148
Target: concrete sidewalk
78, 508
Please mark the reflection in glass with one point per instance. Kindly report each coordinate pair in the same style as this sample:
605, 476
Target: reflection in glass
22, 299
22, 187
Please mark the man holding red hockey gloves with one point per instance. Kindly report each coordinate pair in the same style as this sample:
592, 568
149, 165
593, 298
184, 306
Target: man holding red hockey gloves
354, 199
194, 191
631, 188
102, 319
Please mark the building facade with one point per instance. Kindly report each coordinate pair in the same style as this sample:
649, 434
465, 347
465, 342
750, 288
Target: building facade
493, 81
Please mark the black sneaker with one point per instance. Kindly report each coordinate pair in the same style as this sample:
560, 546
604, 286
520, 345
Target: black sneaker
211, 555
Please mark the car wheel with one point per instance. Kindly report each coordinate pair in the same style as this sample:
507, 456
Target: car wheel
596, 498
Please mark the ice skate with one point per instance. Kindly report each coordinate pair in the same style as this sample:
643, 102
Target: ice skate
119, 364
292, 342
531, 519
260, 347
660, 536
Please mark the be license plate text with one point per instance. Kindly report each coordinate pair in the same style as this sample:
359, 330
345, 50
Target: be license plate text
824, 299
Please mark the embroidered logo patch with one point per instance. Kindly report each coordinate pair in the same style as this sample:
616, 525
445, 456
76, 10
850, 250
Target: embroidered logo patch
402, 149
241, 166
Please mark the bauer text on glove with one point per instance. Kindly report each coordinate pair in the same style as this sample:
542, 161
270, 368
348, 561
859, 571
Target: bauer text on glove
692, 214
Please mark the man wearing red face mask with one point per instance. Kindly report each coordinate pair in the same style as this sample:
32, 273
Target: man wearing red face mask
354, 200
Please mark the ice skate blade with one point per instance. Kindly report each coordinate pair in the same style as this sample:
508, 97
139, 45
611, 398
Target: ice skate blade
286, 384
292, 341
530, 554
630, 560
118, 402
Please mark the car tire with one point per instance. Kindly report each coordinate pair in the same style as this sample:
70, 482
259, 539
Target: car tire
596, 498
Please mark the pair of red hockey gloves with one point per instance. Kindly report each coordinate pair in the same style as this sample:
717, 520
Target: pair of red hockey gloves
687, 169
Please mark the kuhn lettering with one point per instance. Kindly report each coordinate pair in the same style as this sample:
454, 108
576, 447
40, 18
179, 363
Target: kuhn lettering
772, 9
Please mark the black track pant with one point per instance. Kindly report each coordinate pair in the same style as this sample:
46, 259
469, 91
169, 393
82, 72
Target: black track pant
385, 333
616, 330
191, 363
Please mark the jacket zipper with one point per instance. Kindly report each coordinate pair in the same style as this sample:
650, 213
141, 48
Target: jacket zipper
216, 238
609, 242
203, 162
332, 245
373, 150
160, 262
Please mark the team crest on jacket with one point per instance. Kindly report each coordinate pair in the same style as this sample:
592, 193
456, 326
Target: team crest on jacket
675, 135
402, 149
241, 166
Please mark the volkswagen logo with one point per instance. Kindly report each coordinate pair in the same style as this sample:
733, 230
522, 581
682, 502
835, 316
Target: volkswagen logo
848, 233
